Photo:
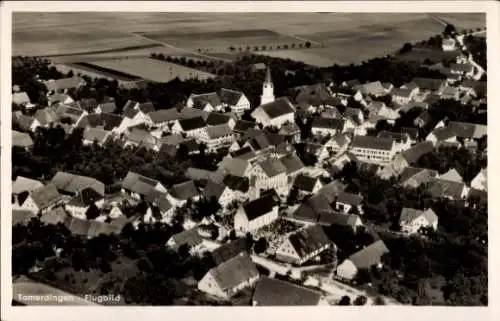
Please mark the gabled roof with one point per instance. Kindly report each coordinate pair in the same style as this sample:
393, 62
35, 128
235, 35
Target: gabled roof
45, 196
259, 142
192, 123
20, 98
272, 167
215, 119
234, 166
328, 123
200, 100
229, 96
369, 256
411, 131
95, 134
21, 216
213, 189
414, 153
308, 240
236, 183
46, 116
104, 120
468, 67
275, 139
56, 215
331, 190
452, 175
139, 136
332, 112
305, 183
242, 125
408, 215
164, 115
190, 238
468, 130
234, 271
174, 139
281, 106
292, 163
418, 175
260, 206
229, 250
444, 188
443, 133
372, 142
72, 183
401, 92
85, 197
21, 139
349, 198
428, 83
245, 153
24, 184
23, 121
187, 113
400, 138
107, 107
372, 88
274, 292
138, 184
336, 218
219, 131
184, 191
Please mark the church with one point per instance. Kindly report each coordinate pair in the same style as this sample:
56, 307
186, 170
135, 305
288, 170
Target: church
273, 112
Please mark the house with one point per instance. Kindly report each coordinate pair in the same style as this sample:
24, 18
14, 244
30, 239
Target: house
137, 113
275, 113
468, 131
429, 85
192, 127
389, 113
327, 126
351, 221
217, 137
303, 245
480, 181
46, 117
414, 176
22, 99
412, 133
412, 220
230, 277
425, 119
106, 107
207, 102
217, 119
179, 194
450, 93
189, 238
270, 173
25, 123
235, 166
440, 188
293, 165
411, 155
313, 98
70, 115
256, 214
241, 126
306, 184
442, 135
475, 88
246, 153
448, 44
331, 112
364, 259
275, 292
21, 217
291, 132
452, 175
80, 203
137, 137
311, 209
333, 147
42, 200
139, 186
402, 96
402, 141
109, 122
229, 250
71, 184
347, 202
232, 189
374, 88
63, 84
236, 101
59, 98
163, 118
23, 185
356, 114
95, 135
21, 140
373, 149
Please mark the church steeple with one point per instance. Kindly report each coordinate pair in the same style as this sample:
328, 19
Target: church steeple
267, 89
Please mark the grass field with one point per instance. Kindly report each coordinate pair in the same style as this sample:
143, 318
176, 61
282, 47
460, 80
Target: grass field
347, 37
151, 69
436, 55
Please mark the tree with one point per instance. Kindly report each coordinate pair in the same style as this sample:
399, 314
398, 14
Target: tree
449, 30
360, 300
407, 47
379, 301
308, 44
345, 300
92, 212
260, 246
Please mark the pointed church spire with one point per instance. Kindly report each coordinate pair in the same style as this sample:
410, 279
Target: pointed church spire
268, 76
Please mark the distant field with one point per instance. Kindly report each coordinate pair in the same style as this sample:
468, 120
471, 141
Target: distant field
436, 55
347, 37
95, 72
151, 69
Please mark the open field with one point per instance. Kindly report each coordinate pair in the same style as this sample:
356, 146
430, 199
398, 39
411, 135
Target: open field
151, 69
346, 37
95, 72
436, 55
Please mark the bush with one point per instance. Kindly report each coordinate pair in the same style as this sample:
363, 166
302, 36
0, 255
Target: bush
379, 301
360, 300
345, 300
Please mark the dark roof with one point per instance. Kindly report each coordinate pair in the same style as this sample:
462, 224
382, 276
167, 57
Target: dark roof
244, 153
369, 256
260, 206
190, 238
229, 96
336, 218
234, 271
331, 190
274, 292
328, 123
480, 87
411, 131
292, 163
242, 125
105, 120
21, 216
45, 196
401, 92
309, 239
443, 188
349, 198
259, 142
88, 104
85, 198
184, 190
229, 250
399, 138
138, 184
192, 123
215, 119
199, 100
236, 183
428, 83
275, 139
482, 195
72, 183
372, 142
419, 175
305, 183
443, 133
415, 152
164, 115
281, 106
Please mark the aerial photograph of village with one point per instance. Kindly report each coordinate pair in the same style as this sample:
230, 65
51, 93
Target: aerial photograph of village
240, 159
